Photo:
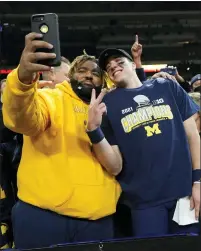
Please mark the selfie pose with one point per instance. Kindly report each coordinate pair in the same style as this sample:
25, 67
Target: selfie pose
67, 192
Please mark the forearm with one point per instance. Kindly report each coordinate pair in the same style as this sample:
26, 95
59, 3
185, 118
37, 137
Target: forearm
21, 109
108, 157
138, 62
194, 144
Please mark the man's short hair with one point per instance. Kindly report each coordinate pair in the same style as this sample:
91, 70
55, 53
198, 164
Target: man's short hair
80, 60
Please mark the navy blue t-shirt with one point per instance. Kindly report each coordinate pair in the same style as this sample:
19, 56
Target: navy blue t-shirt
147, 125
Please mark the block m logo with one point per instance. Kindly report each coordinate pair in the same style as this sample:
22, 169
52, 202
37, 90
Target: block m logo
151, 130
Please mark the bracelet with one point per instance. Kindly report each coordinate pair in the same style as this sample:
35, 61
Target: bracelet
96, 135
196, 175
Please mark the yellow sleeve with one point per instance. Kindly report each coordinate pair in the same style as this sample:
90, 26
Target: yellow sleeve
24, 109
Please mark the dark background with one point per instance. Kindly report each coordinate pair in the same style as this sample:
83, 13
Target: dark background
170, 32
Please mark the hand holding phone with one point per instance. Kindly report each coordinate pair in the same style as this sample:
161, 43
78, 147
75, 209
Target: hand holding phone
48, 26
29, 66
42, 47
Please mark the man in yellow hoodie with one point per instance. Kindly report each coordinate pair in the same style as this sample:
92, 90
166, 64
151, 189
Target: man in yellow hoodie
67, 191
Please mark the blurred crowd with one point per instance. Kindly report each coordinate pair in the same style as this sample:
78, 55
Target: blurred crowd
94, 150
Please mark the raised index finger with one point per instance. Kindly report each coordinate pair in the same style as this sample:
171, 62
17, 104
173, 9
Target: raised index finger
136, 39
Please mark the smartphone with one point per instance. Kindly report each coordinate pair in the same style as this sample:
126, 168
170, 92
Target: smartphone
48, 25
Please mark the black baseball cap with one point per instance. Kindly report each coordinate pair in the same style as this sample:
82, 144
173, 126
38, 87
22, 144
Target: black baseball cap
109, 53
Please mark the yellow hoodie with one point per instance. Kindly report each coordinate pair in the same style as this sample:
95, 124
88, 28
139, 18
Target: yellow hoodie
58, 170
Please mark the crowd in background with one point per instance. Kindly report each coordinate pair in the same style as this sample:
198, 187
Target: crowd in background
11, 143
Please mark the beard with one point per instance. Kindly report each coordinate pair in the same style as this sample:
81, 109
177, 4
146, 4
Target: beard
84, 91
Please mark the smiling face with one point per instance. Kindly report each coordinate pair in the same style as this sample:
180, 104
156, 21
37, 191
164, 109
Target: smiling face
88, 73
120, 70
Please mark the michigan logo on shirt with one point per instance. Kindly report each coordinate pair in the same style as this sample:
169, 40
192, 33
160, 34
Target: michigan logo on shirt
147, 112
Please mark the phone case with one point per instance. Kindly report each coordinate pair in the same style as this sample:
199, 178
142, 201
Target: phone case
51, 36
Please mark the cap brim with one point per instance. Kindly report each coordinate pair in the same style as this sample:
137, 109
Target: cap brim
106, 54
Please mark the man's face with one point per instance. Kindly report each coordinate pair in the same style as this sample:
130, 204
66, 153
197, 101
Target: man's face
3, 85
88, 73
58, 74
119, 69
196, 84
61, 74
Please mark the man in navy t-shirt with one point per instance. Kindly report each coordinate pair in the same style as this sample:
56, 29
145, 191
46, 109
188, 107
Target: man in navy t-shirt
153, 127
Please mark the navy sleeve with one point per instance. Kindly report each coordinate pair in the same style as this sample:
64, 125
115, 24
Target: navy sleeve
108, 131
186, 105
141, 74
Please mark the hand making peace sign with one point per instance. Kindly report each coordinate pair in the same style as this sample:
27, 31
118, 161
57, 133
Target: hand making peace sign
96, 110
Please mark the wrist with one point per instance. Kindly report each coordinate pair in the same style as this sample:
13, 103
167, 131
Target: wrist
95, 136
137, 62
91, 127
196, 175
26, 78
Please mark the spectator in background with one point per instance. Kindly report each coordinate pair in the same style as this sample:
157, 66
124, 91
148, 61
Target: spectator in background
153, 126
196, 83
2, 86
7, 179
171, 72
57, 74
5, 134
65, 194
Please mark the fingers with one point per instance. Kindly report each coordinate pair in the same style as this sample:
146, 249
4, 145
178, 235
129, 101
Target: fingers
102, 105
36, 44
136, 39
195, 205
136, 46
38, 67
163, 75
197, 210
166, 75
192, 203
43, 83
103, 110
155, 76
173, 78
32, 36
34, 57
93, 96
